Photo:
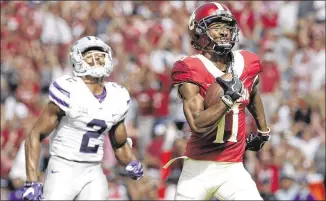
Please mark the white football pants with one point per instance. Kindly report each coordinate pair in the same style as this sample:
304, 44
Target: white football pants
69, 180
203, 180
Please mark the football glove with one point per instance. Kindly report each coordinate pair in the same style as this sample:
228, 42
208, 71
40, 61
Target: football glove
232, 90
33, 191
135, 170
256, 142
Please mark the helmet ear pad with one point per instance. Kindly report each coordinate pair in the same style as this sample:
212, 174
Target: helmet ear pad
200, 36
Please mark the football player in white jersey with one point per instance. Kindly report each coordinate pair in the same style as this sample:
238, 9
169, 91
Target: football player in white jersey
81, 110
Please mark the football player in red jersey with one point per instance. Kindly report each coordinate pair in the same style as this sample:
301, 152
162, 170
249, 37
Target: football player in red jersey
213, 165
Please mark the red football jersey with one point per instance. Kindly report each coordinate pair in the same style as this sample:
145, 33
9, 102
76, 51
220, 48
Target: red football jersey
228, 141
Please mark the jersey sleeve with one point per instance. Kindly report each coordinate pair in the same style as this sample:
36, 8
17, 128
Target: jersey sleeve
59, 92
180, 73
253, 68
253, 61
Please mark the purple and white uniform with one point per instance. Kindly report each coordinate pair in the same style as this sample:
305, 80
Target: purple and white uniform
76, 145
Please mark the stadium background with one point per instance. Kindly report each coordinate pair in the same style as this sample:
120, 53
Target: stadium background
146, 38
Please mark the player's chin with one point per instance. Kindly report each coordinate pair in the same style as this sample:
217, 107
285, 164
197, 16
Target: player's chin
98, 66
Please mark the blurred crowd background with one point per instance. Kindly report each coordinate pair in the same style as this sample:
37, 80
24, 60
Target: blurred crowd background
146, 39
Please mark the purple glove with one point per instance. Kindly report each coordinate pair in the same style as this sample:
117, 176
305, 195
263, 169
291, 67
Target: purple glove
33, 191
135, 170
16, 194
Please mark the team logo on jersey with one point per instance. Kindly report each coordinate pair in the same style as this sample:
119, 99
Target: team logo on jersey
244, 97
52, 171
113, 115
83, 110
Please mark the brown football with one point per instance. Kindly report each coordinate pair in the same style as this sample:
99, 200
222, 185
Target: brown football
215, 91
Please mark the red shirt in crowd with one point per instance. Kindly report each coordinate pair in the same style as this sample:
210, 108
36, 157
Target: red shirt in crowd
269, 21
269, 78
161, 96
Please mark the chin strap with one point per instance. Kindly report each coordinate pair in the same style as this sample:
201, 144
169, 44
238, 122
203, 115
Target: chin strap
92, 80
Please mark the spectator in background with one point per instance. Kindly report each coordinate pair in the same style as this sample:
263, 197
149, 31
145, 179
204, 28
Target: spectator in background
265, 191
304, 192
176, 110
303, 112
287, 16
144, 97
161, 98
55, 29
318, 60
288, 188
269, 17
319, 159
117, 191
269, 84
267, 171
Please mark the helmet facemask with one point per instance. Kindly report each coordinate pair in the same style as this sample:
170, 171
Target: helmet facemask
85, 46
207, 43
96, 69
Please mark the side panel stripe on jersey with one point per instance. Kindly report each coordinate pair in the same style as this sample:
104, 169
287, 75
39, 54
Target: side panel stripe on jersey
59, 97
56, 85
61, 102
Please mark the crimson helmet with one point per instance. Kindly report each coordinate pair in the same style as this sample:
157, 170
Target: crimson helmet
199, 22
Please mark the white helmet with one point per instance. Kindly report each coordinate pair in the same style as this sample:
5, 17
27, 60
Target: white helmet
80, 67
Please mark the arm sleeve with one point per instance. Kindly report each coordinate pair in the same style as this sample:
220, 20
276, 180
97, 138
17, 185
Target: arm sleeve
59, 93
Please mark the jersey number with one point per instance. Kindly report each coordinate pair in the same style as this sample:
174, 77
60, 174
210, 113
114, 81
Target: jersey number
221, 126
84, 148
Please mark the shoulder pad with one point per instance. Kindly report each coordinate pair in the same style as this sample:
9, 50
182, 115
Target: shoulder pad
124, 99
188, 69
249, 55
60, 90
251, 60
123, 92
180, 72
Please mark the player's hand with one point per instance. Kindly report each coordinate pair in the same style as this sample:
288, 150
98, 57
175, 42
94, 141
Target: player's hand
256, 142
135, 170
33, 191
232, 89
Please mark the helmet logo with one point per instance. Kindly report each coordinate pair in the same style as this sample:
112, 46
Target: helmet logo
191, 22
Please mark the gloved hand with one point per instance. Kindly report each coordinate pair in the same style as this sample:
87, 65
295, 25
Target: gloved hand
256, 142
232, 89
33, 191
135, 170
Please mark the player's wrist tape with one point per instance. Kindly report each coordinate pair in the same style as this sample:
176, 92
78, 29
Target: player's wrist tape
30, 183
265, 133
227, 101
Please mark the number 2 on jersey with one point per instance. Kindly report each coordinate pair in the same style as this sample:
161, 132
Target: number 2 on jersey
84, 148
221, 126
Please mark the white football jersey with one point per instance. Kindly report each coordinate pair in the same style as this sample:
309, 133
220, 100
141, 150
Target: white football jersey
80, 134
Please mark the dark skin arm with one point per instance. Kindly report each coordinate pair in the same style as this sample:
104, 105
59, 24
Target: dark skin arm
123, 154
48, 120
256, 108
201, 121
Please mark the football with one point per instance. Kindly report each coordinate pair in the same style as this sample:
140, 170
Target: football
215, 91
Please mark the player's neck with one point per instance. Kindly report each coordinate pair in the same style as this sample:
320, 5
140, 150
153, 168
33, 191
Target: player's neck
220, 61
95, 85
